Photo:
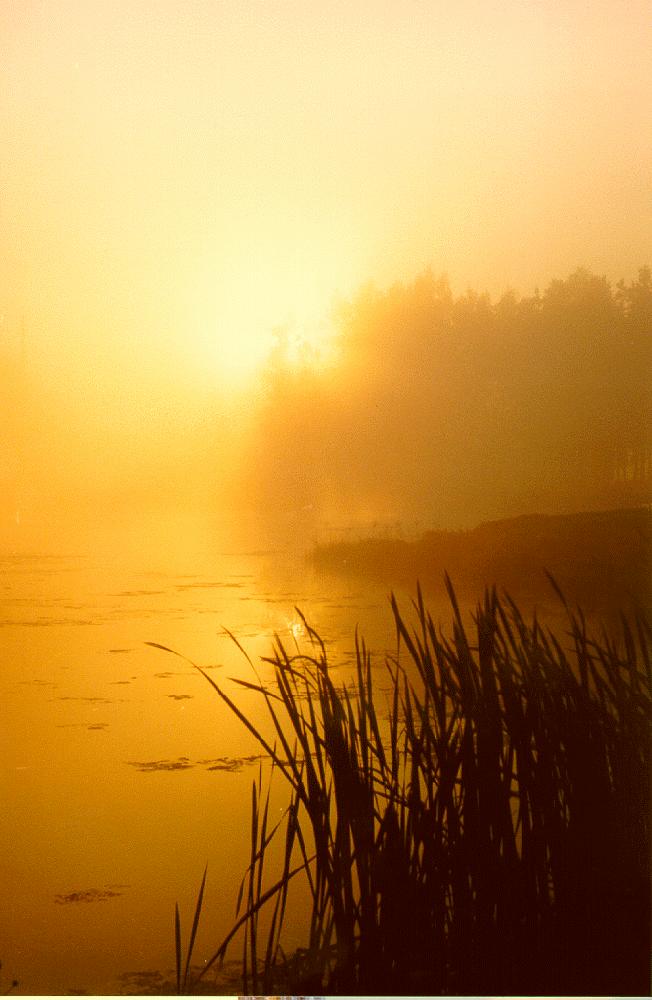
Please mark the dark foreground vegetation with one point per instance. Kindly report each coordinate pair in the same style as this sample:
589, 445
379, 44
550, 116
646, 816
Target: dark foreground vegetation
480, 828
603, 558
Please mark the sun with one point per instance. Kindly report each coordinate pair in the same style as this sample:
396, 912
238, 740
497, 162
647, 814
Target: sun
248, 314
234, 350
240, 351
229, 342
237, 355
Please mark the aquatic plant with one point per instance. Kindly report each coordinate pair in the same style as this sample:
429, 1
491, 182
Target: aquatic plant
12, 986
489, 834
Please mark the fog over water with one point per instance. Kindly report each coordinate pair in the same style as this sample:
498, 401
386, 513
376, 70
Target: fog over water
122, 774
276, 276
423, 409
184, 193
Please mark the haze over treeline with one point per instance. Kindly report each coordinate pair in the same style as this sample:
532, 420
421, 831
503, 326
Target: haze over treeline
444, 410
424, 409
180, 180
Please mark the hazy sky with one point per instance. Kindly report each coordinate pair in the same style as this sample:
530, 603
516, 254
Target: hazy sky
179, 177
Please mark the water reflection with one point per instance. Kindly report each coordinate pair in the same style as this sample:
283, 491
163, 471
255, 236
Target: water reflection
122, 773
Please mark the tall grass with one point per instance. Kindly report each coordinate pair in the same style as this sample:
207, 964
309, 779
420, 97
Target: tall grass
485, 831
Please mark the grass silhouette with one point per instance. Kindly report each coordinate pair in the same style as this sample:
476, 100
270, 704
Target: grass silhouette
488, 834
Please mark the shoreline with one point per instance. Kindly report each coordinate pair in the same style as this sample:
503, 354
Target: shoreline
602, 559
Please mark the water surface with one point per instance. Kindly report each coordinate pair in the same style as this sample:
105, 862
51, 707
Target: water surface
122, 773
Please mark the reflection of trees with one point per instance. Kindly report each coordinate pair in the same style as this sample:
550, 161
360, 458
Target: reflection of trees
463, 408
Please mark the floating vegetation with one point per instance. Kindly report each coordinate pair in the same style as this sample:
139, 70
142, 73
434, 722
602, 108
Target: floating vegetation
79, 725
152, 982
90, 895
12, 985
145, 983
233, 764
180, 764
46, 622
99, 701
139, 593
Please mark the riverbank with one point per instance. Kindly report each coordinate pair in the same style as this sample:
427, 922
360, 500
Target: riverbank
600, 559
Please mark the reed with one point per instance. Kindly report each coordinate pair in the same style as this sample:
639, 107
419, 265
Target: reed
488, 833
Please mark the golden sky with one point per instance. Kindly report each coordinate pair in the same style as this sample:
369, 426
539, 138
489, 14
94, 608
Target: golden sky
179, 177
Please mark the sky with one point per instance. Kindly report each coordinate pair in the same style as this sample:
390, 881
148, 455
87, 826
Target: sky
178, 179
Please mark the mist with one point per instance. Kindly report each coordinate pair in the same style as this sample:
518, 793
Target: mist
448, 410
423, 409
303, 304
179, 185
110, 466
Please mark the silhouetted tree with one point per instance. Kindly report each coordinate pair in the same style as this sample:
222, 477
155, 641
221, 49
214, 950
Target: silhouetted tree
463, 409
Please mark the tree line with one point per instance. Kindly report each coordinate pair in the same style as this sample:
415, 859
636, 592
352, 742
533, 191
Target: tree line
453, 409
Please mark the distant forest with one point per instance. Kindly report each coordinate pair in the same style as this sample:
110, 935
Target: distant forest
445, 410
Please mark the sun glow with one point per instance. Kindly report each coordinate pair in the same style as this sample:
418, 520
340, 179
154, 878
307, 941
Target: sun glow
234, 352
243, 318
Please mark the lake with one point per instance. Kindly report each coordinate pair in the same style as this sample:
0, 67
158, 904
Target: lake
122, 772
